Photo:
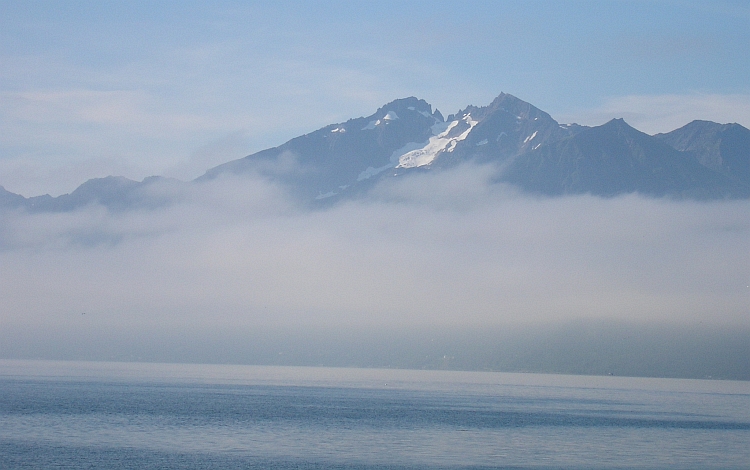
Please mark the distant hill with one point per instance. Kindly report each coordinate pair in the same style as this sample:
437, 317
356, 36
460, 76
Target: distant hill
114, 192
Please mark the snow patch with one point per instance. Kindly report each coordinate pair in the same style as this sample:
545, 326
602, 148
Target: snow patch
390, 116
338, 129
536, 146
439, 142
393, 160
482, 142
527, 139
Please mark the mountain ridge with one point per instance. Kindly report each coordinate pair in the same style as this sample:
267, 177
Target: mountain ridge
613, 159
701, 160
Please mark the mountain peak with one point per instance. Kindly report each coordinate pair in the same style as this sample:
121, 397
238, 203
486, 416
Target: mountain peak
403, 105
517, 107
724, 148
507, 99
617, 123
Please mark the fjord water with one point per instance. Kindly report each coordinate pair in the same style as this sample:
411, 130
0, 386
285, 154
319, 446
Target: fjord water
131, 415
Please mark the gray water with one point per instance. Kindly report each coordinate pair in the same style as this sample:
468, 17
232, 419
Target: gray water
131, 415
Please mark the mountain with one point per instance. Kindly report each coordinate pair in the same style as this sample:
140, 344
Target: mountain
116, 193
532, 150
11, 200
402, 136
504, 129
328, 161
724, 148
615, 159
702, 160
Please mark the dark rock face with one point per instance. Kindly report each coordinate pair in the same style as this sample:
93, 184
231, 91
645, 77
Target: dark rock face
702, 160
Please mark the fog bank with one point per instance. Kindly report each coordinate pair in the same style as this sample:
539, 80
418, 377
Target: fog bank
446, 251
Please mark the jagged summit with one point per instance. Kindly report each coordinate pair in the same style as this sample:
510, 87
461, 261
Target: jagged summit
405, 105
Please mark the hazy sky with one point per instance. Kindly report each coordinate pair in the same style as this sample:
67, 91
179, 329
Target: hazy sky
90, 88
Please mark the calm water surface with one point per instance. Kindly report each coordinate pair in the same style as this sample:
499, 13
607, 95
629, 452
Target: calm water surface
129, 415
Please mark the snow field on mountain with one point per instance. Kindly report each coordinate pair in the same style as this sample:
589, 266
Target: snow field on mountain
441, 142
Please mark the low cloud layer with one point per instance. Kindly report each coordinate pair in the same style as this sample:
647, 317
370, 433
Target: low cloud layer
443, 249
437, 270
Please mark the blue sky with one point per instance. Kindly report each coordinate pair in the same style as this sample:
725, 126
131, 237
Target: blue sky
89, 89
